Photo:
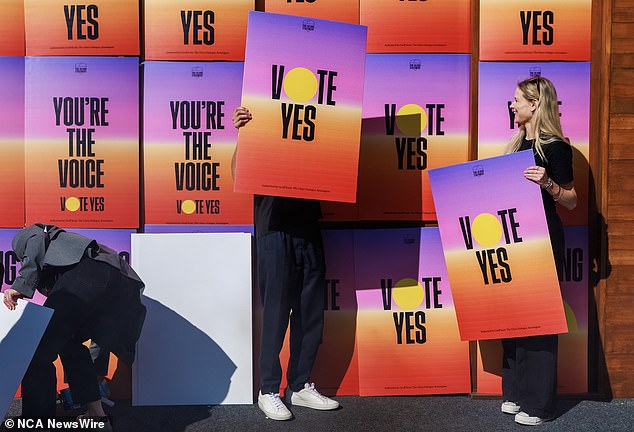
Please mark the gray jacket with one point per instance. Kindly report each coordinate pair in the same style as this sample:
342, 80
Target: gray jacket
42, 247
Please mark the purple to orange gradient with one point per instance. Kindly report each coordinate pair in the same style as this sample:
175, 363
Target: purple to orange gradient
223, 24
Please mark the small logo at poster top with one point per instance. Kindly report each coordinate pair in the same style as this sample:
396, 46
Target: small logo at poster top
535, 71
478, 171
197, 72
414, 65
81, 68
308, 25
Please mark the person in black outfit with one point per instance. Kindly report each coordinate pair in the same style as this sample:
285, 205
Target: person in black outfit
291, 278
94, 294
529, 372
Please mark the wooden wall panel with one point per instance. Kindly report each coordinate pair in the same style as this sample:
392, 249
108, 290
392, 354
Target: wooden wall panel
615, 295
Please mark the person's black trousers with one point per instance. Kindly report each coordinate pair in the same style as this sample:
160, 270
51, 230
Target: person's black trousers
291, 276
529, 374
69, 327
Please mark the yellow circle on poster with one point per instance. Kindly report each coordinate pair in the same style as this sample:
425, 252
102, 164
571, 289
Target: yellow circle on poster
486, 229
300, 84
408, 293
411, 120
571, 319
72, 204
188, 206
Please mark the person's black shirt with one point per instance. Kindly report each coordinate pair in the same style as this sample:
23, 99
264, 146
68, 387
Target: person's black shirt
295, 216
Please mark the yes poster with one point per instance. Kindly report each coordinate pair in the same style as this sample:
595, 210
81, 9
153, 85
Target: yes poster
335, 10
12, 28
12, 142
305, 99
496, 245
406, 325
82, 141
496, 126
535, 30
412, 121
189, 144
82, 27
405, 26
196, 29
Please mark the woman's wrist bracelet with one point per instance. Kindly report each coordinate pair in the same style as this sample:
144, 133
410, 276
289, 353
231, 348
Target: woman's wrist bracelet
549, 185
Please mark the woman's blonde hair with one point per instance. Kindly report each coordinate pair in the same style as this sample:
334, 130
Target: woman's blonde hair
546, 123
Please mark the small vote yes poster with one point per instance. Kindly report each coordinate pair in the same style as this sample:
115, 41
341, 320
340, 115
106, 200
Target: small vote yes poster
409, 26
189, 142
305, 97
535, 30
195, 29
497, 249
82, 27
12, 142
406, 324
82, 141
412, 122
12, 28
335, 10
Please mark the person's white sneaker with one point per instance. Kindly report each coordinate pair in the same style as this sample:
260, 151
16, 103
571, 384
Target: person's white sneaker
524, 419
309, 397
273, 407
509, 407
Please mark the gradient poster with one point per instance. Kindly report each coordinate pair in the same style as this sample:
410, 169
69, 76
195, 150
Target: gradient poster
406, 26
82, 141
535, 30
12, 28
173, 229
336, 367
496, 126
305, 99
82, 27
412, 121
496, 245
406, 324
196, 29
335, 10
12, 142
573, 347
189, 143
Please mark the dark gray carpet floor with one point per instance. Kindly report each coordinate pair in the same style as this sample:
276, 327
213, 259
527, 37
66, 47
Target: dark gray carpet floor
389, 414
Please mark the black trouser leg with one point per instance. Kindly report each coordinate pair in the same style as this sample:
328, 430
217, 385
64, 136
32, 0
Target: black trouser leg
307, 318
537, 371
81, 372
275, 268
509, 369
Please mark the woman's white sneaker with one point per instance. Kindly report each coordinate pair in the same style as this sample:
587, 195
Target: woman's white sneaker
309, 397
273, 407
509, 407
524, 419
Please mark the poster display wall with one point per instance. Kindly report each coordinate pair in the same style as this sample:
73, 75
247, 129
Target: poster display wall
195, 29
303, 140
82, 141
496, 126
189, 143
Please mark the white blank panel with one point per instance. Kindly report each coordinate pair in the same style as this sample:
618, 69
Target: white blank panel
20, 333
196, 343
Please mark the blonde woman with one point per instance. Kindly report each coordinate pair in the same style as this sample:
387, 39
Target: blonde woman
529, 373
